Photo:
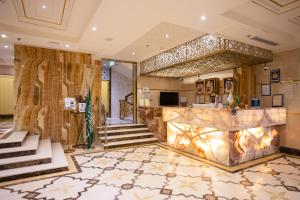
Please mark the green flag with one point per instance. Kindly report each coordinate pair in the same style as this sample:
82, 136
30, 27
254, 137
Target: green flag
89, 120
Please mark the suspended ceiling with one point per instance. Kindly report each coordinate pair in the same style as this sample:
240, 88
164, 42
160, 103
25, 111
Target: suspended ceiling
128, 26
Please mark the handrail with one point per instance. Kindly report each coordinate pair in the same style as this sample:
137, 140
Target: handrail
128, 95
103, 111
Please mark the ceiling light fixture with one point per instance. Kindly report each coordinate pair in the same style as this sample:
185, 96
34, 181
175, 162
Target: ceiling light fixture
44, 6
133, 53
3, 36
94, 28
5, 46
67, 46
203, 17
167, 36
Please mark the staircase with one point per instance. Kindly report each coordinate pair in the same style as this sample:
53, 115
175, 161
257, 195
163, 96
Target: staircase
126, 135
23, 155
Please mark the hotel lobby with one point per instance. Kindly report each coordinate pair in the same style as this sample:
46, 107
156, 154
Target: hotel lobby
150, 100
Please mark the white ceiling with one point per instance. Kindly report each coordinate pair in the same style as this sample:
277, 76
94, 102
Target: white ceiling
127, 26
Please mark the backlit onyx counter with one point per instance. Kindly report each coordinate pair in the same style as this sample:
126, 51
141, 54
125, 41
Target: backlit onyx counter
222, 136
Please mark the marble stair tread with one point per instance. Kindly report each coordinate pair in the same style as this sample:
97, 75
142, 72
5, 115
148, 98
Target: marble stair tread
125, 130
31, 143
120, 126
44, 151
127, 136
58, 163
4, 133
14, 139
124, 125
129, 142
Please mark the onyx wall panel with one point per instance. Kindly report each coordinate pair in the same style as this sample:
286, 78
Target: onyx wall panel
43, 78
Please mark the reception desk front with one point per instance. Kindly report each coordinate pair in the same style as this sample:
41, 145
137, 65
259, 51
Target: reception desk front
226, 137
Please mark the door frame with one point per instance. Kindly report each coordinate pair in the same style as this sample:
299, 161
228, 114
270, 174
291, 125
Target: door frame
134, 84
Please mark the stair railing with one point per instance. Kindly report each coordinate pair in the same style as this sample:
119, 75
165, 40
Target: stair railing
103, 112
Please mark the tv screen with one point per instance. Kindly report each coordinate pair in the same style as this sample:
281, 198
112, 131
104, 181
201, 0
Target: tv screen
169, 99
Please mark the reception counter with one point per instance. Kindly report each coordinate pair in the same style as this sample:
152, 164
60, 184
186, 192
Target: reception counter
220, 135
226, 137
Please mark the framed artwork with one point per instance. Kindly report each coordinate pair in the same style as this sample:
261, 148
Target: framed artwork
228, 85
265, 90
70, 103
277, 100
210, 86
200, 87
275, 75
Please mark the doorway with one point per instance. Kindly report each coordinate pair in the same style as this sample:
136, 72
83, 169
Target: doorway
118, 91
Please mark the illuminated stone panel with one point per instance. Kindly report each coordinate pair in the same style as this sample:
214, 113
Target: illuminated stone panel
219, 136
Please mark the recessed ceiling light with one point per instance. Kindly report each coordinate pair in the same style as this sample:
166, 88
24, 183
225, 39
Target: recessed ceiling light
5, 46
167, 36
67, 46
3, 36
203, 17
44, 6
94, 28
133, 53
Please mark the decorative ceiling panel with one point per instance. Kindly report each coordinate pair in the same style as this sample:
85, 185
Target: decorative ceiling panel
206, 54
278, 6
55, 14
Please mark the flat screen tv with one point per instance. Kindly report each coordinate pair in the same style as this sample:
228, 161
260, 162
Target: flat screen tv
169, 99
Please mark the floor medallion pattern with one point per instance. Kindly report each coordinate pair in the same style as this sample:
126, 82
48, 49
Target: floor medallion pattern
155, 173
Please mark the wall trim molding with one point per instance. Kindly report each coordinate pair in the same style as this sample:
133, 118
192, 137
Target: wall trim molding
290, 151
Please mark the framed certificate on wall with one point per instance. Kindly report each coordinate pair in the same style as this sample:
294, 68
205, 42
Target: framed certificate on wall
277, 100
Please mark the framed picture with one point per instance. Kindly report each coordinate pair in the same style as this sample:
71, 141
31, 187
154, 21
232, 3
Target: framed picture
200, 87
275, 75
265, 90
81, 107
210, 86
277, 100
70, 103
228, 85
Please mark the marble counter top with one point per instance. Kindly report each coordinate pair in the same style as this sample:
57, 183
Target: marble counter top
223, 119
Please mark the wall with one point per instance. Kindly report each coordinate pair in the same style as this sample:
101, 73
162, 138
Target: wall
43, 78
7, 70
105, 94
6, 95
289, 65
121, 86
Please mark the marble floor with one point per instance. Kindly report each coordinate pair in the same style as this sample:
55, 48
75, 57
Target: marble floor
153, 173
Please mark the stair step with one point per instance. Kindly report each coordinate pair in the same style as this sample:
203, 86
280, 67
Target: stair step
58, 163
13, 140
5, 133
129, 143
43, 155
127, 137
122, 126
29, 147
124, 131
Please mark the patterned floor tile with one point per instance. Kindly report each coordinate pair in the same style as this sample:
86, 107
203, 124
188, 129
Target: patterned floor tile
100, 192
142, 194
9, 195
230, 190
62, 188
116, 177
150, 181
187, 186
274, 193
151, 172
